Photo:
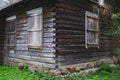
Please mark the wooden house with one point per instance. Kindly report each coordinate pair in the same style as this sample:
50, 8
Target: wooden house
56, 33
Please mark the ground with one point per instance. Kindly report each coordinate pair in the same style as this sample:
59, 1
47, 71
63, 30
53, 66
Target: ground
105, 72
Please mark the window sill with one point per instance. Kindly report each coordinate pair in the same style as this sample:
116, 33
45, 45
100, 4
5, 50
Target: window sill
34, 47
32, 30
92, 46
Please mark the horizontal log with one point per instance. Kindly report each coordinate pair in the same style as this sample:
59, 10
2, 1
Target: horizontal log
65, 37
71, 40
68, 22
69, 5
70, 27
38, 64
69, 32
33, 58
35, 54
70, 18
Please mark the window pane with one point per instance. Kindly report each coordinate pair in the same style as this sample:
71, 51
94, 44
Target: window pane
12, 26
11, 39
30, 22
35, 38
35, 22
92, 24
92, 37
39, 19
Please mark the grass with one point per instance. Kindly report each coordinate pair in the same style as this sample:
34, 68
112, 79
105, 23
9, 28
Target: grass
105, 72
13, 73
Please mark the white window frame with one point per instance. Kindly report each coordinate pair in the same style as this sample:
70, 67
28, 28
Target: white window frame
9, 19
93, 16
33, 13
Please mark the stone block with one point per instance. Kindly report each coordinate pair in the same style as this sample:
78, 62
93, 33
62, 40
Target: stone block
64, 71
55, 72
72, 69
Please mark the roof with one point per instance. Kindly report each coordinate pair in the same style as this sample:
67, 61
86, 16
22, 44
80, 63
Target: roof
23, 3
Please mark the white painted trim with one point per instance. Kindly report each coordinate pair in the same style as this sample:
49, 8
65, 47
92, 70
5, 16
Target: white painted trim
36, 11
11, 18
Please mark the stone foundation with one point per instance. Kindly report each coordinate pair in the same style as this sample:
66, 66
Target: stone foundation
82, 68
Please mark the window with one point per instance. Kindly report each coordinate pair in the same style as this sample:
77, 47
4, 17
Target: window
91, 29
11, 31
35, 28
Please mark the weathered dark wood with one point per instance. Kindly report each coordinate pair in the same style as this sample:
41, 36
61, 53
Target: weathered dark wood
2, 38
44, 57
63, 33
70, 33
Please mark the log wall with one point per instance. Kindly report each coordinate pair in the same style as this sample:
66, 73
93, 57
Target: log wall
64, 33
70, 33
46, 56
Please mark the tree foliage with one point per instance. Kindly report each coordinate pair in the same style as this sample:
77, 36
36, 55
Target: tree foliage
115, 30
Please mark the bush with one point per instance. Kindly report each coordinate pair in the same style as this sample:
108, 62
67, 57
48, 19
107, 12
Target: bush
107, 68
115, 29
116, 52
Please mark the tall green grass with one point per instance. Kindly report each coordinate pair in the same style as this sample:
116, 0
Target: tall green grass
13, 73
105, 72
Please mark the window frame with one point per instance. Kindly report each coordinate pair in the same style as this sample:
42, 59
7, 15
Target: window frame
96, 17
33, 13
9, 33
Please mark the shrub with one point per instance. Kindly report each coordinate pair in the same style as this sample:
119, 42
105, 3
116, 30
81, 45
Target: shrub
116, 52
115, 29
107, 68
